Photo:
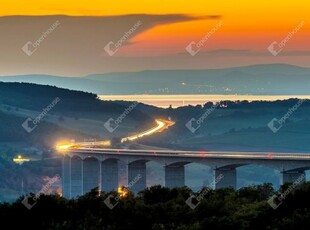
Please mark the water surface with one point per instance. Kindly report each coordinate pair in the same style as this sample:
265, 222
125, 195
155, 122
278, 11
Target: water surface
165, 101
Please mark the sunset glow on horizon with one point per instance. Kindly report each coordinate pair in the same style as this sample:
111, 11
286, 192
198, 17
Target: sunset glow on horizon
167, 29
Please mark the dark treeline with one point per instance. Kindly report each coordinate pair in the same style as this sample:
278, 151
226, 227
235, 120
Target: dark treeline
259, 104
159, 208
228, 104
245, 104
34, 90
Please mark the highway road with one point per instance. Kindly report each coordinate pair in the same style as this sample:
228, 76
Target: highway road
100, 147
195, 154
161, 126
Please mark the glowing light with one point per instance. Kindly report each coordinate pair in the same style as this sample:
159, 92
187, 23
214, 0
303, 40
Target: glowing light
122, 191
63, 147
161, 125
20, 159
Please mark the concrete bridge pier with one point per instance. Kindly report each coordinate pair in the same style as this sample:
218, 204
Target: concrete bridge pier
175, 175
66, 176
83, 170
109, 175
137, 176
294, 176
76, 177
91, 170
225, 177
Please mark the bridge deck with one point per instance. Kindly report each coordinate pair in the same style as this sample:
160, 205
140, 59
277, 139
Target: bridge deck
195, 154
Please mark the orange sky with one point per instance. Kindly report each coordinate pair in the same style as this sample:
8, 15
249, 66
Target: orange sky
247, 25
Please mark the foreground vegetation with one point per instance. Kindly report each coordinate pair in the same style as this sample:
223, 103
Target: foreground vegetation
162, 208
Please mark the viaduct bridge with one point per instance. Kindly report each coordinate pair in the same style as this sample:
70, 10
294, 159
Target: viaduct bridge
85, 168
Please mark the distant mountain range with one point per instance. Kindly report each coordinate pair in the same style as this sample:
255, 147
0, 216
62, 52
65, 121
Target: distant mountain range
271, 79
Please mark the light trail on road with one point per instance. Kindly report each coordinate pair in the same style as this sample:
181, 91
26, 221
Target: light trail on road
99, 147
161, 125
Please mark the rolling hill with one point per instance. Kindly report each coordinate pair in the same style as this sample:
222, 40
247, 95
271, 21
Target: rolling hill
272, 79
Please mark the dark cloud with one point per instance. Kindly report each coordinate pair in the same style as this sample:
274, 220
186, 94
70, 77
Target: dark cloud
74, 47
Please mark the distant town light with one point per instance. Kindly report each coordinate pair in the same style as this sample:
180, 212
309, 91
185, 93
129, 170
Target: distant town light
20, 160
122, 191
